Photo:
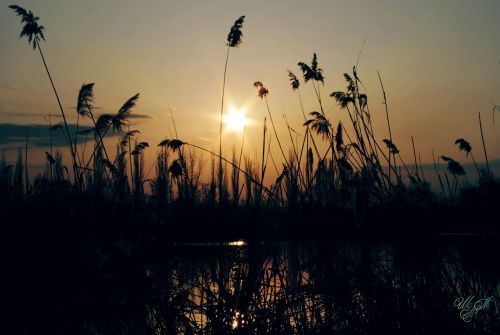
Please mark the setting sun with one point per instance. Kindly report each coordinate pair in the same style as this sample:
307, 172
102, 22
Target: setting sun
235, 119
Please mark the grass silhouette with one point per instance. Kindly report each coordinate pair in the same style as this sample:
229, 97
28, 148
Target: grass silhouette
353, 174
234, 39
34, 33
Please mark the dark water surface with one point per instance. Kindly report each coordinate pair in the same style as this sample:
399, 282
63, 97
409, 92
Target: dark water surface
97, 284
407, 287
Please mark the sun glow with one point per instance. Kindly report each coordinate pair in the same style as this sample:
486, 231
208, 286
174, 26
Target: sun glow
235, 119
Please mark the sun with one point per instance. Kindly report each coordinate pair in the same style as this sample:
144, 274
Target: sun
235, 119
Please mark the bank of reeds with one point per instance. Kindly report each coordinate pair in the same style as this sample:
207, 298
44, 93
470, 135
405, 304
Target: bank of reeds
333, 164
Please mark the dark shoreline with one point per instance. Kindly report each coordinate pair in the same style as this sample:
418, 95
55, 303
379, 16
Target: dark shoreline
190, 223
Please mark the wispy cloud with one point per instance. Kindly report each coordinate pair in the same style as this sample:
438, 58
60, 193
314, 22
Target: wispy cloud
12, 135
204, 139
139, 116
7, 87
30, 115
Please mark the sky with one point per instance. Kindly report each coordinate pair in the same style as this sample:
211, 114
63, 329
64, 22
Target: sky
439, 61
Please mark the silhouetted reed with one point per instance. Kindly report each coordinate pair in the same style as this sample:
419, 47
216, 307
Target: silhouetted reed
34, 33
234, 39
352, 170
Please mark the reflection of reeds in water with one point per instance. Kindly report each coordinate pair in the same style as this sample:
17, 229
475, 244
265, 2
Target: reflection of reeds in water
138, 284
343, 288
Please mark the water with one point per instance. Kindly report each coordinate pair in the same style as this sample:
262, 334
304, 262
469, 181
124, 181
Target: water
311, 288
63, 283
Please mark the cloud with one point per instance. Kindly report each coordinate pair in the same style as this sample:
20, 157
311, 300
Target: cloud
6, 87
204, 139
139, 116
30, 115
14, 135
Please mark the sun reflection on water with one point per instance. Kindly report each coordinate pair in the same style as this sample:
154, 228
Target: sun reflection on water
238, 243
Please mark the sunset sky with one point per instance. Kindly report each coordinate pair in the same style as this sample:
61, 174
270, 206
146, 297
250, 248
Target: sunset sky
439, 61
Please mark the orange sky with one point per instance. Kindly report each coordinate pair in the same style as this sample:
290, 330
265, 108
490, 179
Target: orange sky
440, 62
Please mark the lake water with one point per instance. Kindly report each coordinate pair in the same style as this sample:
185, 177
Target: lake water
408, 287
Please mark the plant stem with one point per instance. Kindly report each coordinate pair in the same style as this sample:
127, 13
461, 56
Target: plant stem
70, 145
263, 164
475, 165
236, 167
26, 160
484, 146
415, 158
220, 127
275, 133
388, 122
437, 174
130, 161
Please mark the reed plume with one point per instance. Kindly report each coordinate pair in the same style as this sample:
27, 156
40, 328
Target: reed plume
34, 33
453, 167
234, 39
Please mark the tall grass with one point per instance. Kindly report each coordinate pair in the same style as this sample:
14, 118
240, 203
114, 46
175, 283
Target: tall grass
34, 33
352, 169
234, 39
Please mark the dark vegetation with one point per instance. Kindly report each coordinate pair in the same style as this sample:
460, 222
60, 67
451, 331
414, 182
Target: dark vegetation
98, 244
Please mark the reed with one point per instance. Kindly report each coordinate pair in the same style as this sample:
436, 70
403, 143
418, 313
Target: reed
330, 164
234, 40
